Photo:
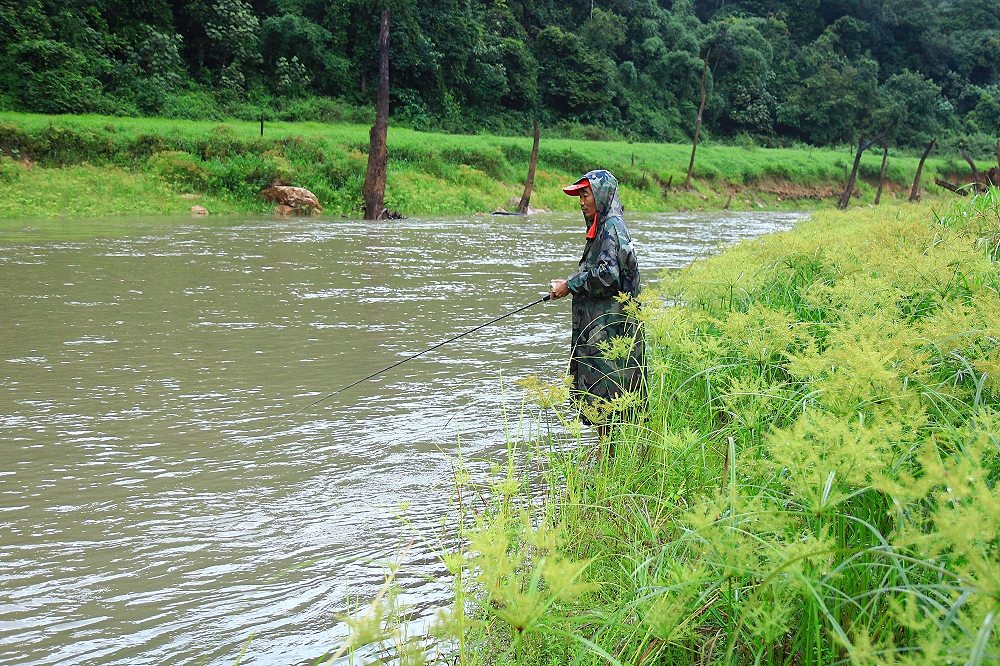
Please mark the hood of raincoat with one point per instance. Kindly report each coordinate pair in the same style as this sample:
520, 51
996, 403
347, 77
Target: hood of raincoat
605, 188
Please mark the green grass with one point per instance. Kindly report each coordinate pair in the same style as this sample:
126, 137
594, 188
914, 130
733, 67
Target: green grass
89, 191
816, 482
228, 163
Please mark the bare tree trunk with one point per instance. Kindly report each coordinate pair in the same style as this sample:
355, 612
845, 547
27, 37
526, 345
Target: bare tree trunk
845, 198
373, 190
529, 183
915, 190
977, 185
881, 174
951, 187
697, 122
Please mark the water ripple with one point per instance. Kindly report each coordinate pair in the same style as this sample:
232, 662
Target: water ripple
162, 496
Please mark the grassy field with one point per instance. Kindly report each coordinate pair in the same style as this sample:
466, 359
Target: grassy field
85, 165
817, 482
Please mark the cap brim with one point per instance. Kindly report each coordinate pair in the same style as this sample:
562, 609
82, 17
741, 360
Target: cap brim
574, 189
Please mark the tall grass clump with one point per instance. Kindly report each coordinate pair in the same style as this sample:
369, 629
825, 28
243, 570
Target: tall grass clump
816, 482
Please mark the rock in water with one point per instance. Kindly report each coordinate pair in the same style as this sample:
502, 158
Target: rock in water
290, 200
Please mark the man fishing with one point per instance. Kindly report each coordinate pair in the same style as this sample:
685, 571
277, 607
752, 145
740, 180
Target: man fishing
608, 356
606, 386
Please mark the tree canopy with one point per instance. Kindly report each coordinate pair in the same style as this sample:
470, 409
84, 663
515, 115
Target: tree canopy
780, 70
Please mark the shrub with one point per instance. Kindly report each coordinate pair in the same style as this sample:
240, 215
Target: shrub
180, 168
249, 174
148, 97
258, 100
986, 116
566, 160
661, 125
751, 173
221, 142
341, 173
123, 108
191, 105
429, 161
568, 129
67, 145
630, 176
870, 170
144, 145
296, 149
410, 110
343, 197
279, 166
13, 139
707, 172
55, 78
325, 110
490, 161
9, 170
516, 154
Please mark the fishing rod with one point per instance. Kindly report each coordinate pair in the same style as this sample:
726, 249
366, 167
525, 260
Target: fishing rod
543, 299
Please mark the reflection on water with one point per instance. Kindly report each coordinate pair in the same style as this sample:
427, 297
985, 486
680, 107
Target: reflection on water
156, 503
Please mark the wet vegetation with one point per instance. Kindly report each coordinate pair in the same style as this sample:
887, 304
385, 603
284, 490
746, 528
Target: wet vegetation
816, 482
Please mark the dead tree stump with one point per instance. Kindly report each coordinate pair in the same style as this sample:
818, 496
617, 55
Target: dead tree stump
373, 190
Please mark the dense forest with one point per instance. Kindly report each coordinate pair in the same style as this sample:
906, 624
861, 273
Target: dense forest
778, 71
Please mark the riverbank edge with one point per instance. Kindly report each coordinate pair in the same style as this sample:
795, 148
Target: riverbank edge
84, 166
819, 468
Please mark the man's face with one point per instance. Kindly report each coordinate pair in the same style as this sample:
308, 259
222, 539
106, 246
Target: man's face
587, 203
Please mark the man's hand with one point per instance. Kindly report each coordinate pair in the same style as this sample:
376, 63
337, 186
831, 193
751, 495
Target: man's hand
558, 289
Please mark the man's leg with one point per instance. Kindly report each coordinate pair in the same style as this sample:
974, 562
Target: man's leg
604, 442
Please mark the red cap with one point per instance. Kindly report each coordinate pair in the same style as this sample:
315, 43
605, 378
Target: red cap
574, 189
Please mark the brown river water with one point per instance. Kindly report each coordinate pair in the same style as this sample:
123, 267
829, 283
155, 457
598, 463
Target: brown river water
147, 516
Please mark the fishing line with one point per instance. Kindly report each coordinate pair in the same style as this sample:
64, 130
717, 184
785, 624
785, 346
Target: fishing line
408, 358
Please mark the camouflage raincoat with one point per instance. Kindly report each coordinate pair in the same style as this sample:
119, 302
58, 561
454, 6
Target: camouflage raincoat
604, 383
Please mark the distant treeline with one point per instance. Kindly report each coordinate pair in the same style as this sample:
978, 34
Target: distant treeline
779, 71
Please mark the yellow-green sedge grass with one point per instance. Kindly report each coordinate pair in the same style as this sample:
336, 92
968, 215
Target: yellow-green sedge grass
816, 481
